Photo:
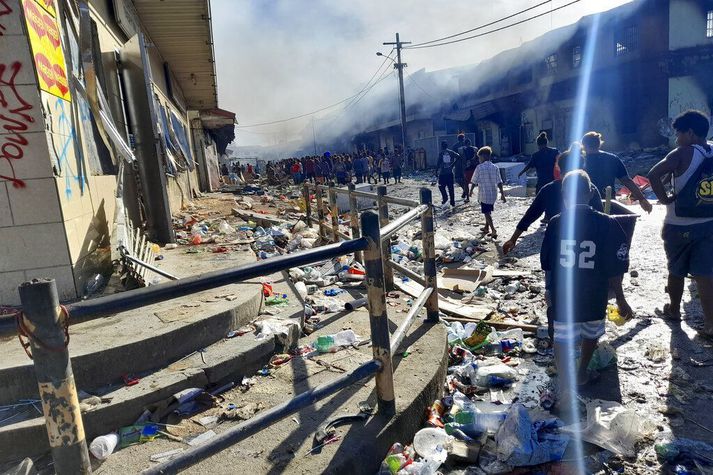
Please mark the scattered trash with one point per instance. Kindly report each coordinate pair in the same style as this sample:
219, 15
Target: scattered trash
332, 343
200, 439
165, 456
103, 446
524, 439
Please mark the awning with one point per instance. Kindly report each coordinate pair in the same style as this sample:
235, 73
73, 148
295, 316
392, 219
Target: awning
216, 118
181, 29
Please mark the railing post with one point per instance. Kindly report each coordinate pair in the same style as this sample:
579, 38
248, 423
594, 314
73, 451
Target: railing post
308, 204
378, 317
354, 220
320, 211
42, 321
385, 248
429, 255
334, 212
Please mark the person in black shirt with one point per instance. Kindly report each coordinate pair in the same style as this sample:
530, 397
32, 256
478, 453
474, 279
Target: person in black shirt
543, 161
604, 168
471, 162
447, 158
582, 250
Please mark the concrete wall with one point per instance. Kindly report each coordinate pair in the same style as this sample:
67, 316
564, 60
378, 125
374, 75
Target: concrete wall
687, 23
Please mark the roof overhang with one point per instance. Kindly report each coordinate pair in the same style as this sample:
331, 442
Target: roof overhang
182, 31
216, 118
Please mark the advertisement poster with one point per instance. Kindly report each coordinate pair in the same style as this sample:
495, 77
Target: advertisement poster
40, 16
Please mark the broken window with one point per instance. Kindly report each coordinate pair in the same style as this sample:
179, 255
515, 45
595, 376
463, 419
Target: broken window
576, 57
626, 40
551, 62
709, 24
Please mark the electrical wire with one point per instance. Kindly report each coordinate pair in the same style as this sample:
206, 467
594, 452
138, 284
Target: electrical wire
495, 30
413, 80
386, 58
479, 27
238, 127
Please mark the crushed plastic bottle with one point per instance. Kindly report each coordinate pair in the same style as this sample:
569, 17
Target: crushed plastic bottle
331, 343
277, 300
104, 445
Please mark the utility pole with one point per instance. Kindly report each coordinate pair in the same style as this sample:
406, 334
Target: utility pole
400, 67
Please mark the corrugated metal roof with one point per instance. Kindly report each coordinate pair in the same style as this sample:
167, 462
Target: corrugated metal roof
182, 31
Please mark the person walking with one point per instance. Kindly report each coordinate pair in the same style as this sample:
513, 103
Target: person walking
386, 168
471, 163
488, 180
687, 231
396, 164
444, 172
543, 161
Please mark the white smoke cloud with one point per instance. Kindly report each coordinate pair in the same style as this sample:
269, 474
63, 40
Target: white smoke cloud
281, 58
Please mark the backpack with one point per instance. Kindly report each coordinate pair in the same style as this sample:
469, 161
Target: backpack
695, 200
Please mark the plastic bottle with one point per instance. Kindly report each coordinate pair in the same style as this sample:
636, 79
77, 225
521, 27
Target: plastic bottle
330, 343
170, 245
276, 300
479, 422
104, 445
614, 316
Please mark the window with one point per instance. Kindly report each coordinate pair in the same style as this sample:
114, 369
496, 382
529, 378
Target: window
576, 57
709, 24
626, 40
551, 62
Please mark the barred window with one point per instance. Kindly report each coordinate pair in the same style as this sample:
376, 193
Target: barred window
709, 24
551, 62
576, 57
626, 40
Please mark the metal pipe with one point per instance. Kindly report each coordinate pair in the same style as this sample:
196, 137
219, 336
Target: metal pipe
389, 230
308, 204
334, 211
401, 332
150, 267
45, 329
354, 220
401, 201
407, 272
429, 254
132, 299
263, 420
378, 318
383, 207
355, 304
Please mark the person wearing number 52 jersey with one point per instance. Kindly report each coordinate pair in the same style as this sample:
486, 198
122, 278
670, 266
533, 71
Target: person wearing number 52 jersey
582, 249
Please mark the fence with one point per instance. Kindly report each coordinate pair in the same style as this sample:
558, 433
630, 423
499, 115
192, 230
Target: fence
46, 324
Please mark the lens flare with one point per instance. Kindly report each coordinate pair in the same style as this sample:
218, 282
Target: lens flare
567, 285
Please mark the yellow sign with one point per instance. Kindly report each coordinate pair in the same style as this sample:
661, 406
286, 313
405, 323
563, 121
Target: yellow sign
46, 45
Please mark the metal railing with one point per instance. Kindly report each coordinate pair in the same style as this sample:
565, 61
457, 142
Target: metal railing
49, 338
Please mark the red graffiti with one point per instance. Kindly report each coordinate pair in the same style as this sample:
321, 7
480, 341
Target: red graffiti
4, 10
14, 120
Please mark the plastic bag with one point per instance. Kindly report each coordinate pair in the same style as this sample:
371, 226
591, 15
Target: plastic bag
523, 442
613, 427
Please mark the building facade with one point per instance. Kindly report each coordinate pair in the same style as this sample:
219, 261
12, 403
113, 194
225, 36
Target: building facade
101, 124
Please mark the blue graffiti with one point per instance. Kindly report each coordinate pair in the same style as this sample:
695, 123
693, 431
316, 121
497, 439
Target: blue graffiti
66, 129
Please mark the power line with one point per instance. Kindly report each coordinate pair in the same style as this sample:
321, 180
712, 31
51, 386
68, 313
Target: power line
413, 80
481, 26
497, 29
381, 78
318, 110
386, 58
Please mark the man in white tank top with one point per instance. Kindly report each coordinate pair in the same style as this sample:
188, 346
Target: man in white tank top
688, 242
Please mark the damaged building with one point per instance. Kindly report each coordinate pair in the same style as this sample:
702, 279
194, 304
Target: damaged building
110, 122
651, 61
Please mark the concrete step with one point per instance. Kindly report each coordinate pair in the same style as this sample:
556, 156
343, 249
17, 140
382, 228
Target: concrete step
226, 360
105, 349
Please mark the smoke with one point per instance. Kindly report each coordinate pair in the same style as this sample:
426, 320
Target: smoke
284, 58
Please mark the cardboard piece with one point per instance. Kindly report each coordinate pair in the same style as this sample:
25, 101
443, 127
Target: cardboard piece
446, 305
464, 280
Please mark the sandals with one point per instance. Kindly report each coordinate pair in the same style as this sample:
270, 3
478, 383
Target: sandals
667, 314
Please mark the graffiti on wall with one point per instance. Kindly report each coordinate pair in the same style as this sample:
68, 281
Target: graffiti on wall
62, 139
15, 110
46, 44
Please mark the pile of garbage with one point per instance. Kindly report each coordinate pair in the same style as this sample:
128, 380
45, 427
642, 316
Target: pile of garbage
488, 422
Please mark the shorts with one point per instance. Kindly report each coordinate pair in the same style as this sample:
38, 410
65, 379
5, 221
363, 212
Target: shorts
487, 208
575, 332
469, 175
689, 249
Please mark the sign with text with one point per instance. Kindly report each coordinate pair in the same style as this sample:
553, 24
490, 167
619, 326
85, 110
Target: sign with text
46, 43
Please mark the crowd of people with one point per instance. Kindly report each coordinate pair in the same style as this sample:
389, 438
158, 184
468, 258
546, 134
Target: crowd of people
363, 167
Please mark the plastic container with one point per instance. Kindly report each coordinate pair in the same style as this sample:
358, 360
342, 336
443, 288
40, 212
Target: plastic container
614, 316
330, 343
432, 444
104, 445
301, 289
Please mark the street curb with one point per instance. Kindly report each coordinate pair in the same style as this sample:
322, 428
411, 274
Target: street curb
107, 366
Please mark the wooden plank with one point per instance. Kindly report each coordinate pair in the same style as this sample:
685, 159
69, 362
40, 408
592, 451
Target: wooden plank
495, 324
446, 305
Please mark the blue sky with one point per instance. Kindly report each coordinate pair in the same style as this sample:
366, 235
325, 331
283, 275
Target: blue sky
279, 58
